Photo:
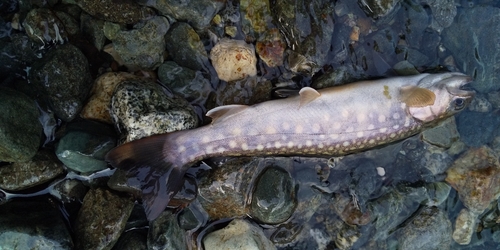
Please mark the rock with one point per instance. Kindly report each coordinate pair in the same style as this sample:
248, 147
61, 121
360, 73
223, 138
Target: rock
248, 91
15, 55
442, 135
379, 8
97, 108
430, 229
494, 99
198, 13
476, 177
189, 84
185, 47
69, 190
33, 225
93, 29
479, 51
270, 48
405, 68
142, 108
239, 234
20, 131
443, 13
233, 59
476, 128
84, 150
274, 198
63, 78
480, 104
165, 233
42, 168
127, 12
43, 26
101, 219
142, 47
256, 18
132, 240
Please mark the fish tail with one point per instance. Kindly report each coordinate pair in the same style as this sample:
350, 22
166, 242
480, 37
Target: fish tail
145, 162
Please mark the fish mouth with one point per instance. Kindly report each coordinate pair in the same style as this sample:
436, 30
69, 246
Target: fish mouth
460, 85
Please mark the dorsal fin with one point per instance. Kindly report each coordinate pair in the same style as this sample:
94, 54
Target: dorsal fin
417, 97
221, 112
307, 95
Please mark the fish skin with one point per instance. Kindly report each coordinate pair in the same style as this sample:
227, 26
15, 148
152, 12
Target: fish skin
332, 122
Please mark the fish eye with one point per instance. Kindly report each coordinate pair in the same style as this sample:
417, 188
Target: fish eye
459, 103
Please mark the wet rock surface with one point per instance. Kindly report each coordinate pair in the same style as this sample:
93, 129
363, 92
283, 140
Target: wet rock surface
233, 60
185, 47
123, 12
20, 131
239, 234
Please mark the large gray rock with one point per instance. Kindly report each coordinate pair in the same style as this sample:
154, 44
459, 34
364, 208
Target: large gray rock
20, 131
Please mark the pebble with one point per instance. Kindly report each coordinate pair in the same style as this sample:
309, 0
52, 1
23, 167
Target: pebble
142, 108
20, 131
63, 78
238, 234
271, 47
233, 59
480, 104
127, 12
165, 233
43, 167
43, 26
185, 47
442, 135
97, 225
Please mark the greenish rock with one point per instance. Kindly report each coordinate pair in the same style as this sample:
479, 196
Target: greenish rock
429, 229
93, 29
189, 84
132, 240
84, 152
165, 233
15, 54
63, 78
338, 76
185, 47
20, 130
256, 17
42, 168
33, 225
198, 13
273, 200
479, 52
101, 219
238, 234
249, 91
69, 190
43, 26
142, 47
142, 108
126, 12
442, 135
443, 13
405, 68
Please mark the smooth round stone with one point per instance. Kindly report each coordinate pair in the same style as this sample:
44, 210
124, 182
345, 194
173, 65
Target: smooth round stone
165, 233
20, 130
273, 200
239, 234
233, 59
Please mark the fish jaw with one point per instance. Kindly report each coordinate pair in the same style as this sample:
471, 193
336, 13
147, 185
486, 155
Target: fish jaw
451, 98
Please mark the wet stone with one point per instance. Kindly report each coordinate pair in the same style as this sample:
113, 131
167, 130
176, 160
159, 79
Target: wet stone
379, 8
69, 190
256, 17
43, 26
132, 240
141, 47
238, 234
101, 219
479, 51
480, 104
142, 108
442, 135
92, 28
494, 99
20, 131
429, 229
15, 55
476, 128
84, 151
443, 13
198, 13
128, 12
189, 84
185, 47
271, 47
165, 233
63, 78
42, 168
248, 91
273, 200
33, 225
233, 59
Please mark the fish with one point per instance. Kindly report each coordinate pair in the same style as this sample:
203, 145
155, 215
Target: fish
330, 122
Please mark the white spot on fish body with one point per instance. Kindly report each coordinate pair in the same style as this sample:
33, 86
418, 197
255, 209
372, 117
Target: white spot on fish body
337, 125
322, 137
244, 146
309, 143
334, 136
236, 131
277, 144
395, 126
205, 139
371, 141
407, 121
393, 135
260, 147
346, 143
326, 117
396, 116
380, 171
381, 118
371, 126
361, 117
221, 150
209, 149
349, 129
286, 126
345, 113
360, 134
320, 145
182, 149
270, 130
232, 144
299, 129
316, 128
383, 130
290, 144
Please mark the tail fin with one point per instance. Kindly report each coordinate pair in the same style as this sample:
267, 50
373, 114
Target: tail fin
145, 161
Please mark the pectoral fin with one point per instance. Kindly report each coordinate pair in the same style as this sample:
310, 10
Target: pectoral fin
416, 97
307, 95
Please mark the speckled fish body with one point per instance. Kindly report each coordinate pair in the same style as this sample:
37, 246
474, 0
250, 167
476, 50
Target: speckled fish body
332, 121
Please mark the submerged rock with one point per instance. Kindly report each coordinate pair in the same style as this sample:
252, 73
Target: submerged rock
128, 12
63, 78
378, 8
20, 131
185, 47
43, 26
165, 233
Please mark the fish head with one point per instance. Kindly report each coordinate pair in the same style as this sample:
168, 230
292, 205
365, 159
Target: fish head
449, 93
